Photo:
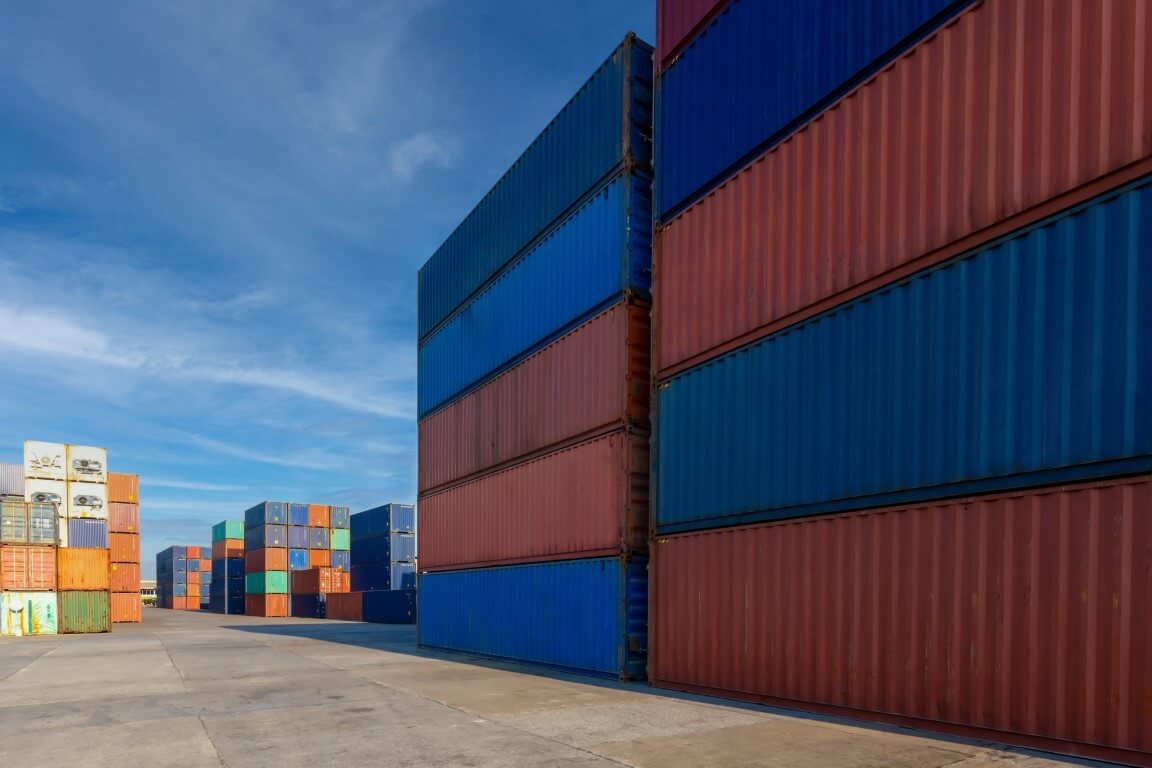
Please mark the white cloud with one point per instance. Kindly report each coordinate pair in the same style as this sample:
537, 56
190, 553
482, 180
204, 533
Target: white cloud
407, 157
189, 485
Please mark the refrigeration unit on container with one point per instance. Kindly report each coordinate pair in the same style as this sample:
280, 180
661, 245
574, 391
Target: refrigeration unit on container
586, 500
38, 491
604, 128
600, 253
87, 500
587, 616
28, 613
382, 520
393, 606
1023, 363
87, 464
937, 154
594, 377
1019, 618
759, 70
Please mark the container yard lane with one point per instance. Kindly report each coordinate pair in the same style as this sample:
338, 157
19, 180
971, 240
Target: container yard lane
189, 689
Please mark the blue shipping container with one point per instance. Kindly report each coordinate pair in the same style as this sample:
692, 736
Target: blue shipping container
393, 606
180, 590
1027, 362
230, 568
180, 577
761, 70
265, 536
587, 616
89, 534
338, 517
579, 268
382, 520
298, 559
233, 607
318, 538
297, 537
267, 512
307, 606
369, 578
298, 514
607, 125
392, 547
340, 559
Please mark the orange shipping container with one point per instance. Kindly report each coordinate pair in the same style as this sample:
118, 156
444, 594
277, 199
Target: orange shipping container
125, 577
319, 558
192, 553
266, 605
193, 591
82, 569
266, 559
206, 565
193, 577
123, 488
123, 518
125, 607
225, 548
27, 568
318, 515
124, 547
347, 606
180, 603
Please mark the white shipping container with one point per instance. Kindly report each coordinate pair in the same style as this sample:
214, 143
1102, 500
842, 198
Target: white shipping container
88, 500
45, 461
47, 492
27, 613
11, 480
87, 464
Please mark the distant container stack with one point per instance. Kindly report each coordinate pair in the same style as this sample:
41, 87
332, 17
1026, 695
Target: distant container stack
383, 557
124, 546
903, 357
534, 393
183, 578
227, 595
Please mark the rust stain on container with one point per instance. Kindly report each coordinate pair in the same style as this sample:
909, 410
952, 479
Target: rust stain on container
82, 569
27, 568
1009, 106
126, 607
587, 500
1024, 616
123, 517
123, 488
125, 577
124, 547
591, 378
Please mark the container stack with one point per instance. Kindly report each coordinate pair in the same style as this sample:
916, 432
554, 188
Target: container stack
199, 577
28, 583
903, 351
227, 568
182, 575
533, 395
311, 589
383, 560
124, 546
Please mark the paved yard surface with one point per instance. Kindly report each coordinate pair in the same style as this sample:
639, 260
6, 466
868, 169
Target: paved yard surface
202, 691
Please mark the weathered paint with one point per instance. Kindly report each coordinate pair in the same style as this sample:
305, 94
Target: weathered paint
123, 489
345, 607
125, 607
85, 611
24, 567
28, 613
124, 547
123, 517
82, 569
124, 577
266, 583
266, 605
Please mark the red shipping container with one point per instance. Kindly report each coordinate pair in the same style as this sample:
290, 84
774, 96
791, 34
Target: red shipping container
123, 489
587, 500
677, 22
124, 547
1023, 618
318, 581
125, 577
974, 133
266, 605
125, 607
123, 517
318, 515
225, 548
27, 568
193, 577
592, 378
266, 559
347, 606
319, 558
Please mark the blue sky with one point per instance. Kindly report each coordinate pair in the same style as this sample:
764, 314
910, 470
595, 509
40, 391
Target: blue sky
212, 214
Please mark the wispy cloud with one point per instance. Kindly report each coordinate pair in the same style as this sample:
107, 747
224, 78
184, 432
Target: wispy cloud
189, 485
408, 157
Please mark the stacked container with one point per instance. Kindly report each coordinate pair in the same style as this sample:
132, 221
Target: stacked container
124, 546
281, 538
903, 350
28, 582
383, 558
227, 568
311, 589
172, 579
534, 392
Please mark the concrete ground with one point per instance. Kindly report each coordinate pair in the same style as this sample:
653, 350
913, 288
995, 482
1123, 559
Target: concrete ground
191, 690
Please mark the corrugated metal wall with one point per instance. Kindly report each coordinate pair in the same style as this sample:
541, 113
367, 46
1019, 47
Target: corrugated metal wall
1010, 106
676, 22
606, 126
1026, 614
1026, 362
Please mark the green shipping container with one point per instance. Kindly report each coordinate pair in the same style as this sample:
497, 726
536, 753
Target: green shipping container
228, 529
266, 583
82, 612
340, 538
27, 613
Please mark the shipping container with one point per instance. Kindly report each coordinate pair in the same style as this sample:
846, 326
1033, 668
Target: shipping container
393, 606
260, 536
318, 558
591, 378
341, 559
677, 22
339, 540
606, 126
231, 586
266, 582
347, 606
601, 252
760, 70
318, 516
1027, 362
318, 538
87, 464
227, 548
85, 611
588, 616
124, 577
24, 522
385, 519
123, 517
88, 533
266, 513
192, 577
319, 581
307, 606
125, 607
270, 559
232, 567
205, 562
298, 514
87, 500
298, 559
391, 547
27, 568
977, 132
43, 523
45, 461
587, 500
232, 605
338, 517
1024, 616
266, 605
47, 492
297, 537
28, 613
227, 529
123, 489
125, 547
366, 578
192, 589
12, 480
192, 553
82, 569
